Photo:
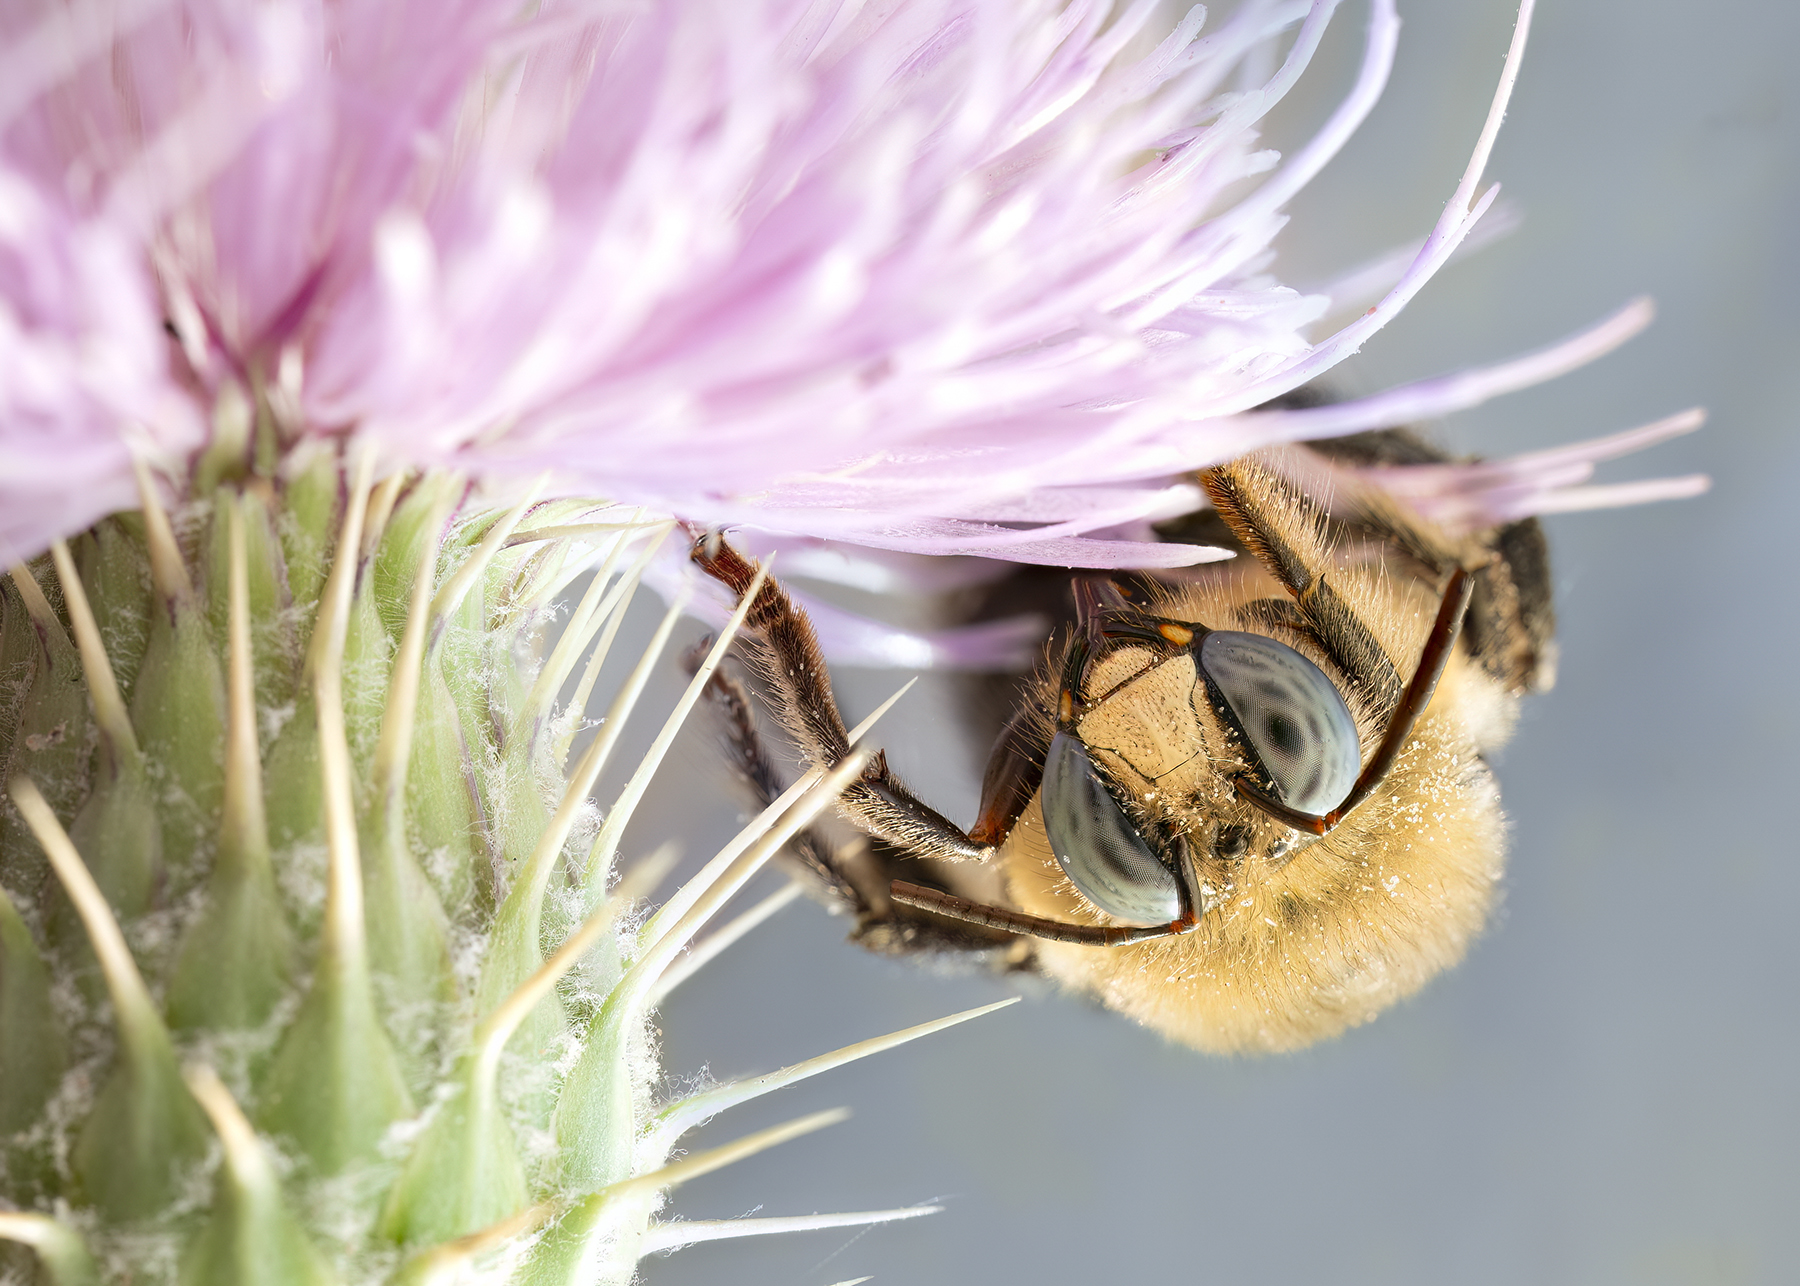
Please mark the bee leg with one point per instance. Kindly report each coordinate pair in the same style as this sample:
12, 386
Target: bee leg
816, 855
1015, 769
1411, 705
780, 644
1511, 626
1510, 623
849, 878
1193, 906
1034, 926
1285, 534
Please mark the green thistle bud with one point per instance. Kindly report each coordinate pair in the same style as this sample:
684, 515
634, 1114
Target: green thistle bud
290, 889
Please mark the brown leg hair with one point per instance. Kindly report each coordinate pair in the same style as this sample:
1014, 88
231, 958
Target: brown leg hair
781, 645
810, 849
1087, 935
1407, 710
854, 878
1511, 624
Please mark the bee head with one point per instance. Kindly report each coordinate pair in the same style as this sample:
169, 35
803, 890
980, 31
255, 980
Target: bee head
1156, 720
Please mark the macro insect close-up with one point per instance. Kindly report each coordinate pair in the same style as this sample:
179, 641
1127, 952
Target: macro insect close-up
1224, 608
1595, 1093
1246, 805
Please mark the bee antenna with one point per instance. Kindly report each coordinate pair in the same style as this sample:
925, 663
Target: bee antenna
1095, 598
1010, 921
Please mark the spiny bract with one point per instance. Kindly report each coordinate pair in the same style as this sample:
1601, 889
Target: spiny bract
312, 965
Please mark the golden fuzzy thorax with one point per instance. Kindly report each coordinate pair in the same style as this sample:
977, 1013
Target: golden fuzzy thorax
1301, 937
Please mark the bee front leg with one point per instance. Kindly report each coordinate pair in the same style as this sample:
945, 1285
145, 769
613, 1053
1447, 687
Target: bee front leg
780, 644
1511, 625
1285, 534
852, 878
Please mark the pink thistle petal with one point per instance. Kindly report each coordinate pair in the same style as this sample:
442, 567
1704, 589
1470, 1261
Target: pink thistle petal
967, 277
1366, 283
1430, 399
83, 373
1467, 497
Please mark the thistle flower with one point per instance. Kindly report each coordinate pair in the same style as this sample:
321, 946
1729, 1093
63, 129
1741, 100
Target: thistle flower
337, 341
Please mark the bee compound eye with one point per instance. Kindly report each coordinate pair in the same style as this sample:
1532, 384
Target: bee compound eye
1095, 843
1294, 716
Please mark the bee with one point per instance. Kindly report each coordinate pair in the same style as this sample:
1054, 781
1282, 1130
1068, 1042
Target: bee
1246, 805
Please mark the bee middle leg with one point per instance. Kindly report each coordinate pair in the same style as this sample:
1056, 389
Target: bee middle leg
818, 857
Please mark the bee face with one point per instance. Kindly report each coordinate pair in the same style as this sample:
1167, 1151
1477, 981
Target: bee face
1248, 809
1228, 704
1150, 750
1300, 936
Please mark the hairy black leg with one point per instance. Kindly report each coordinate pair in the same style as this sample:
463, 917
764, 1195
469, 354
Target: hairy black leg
816, 855
1412, 703
1511, 628
1511, 624
854, 877
780, 644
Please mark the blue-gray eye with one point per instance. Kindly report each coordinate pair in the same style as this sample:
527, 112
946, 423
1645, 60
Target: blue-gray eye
1294, 716
1095, 843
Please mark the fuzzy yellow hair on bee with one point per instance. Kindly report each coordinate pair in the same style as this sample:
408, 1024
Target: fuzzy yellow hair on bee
1247, 807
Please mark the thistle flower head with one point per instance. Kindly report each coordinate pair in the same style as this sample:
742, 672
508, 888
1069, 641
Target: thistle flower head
947, 276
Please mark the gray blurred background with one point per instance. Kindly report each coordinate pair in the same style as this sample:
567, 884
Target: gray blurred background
1605, 1092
